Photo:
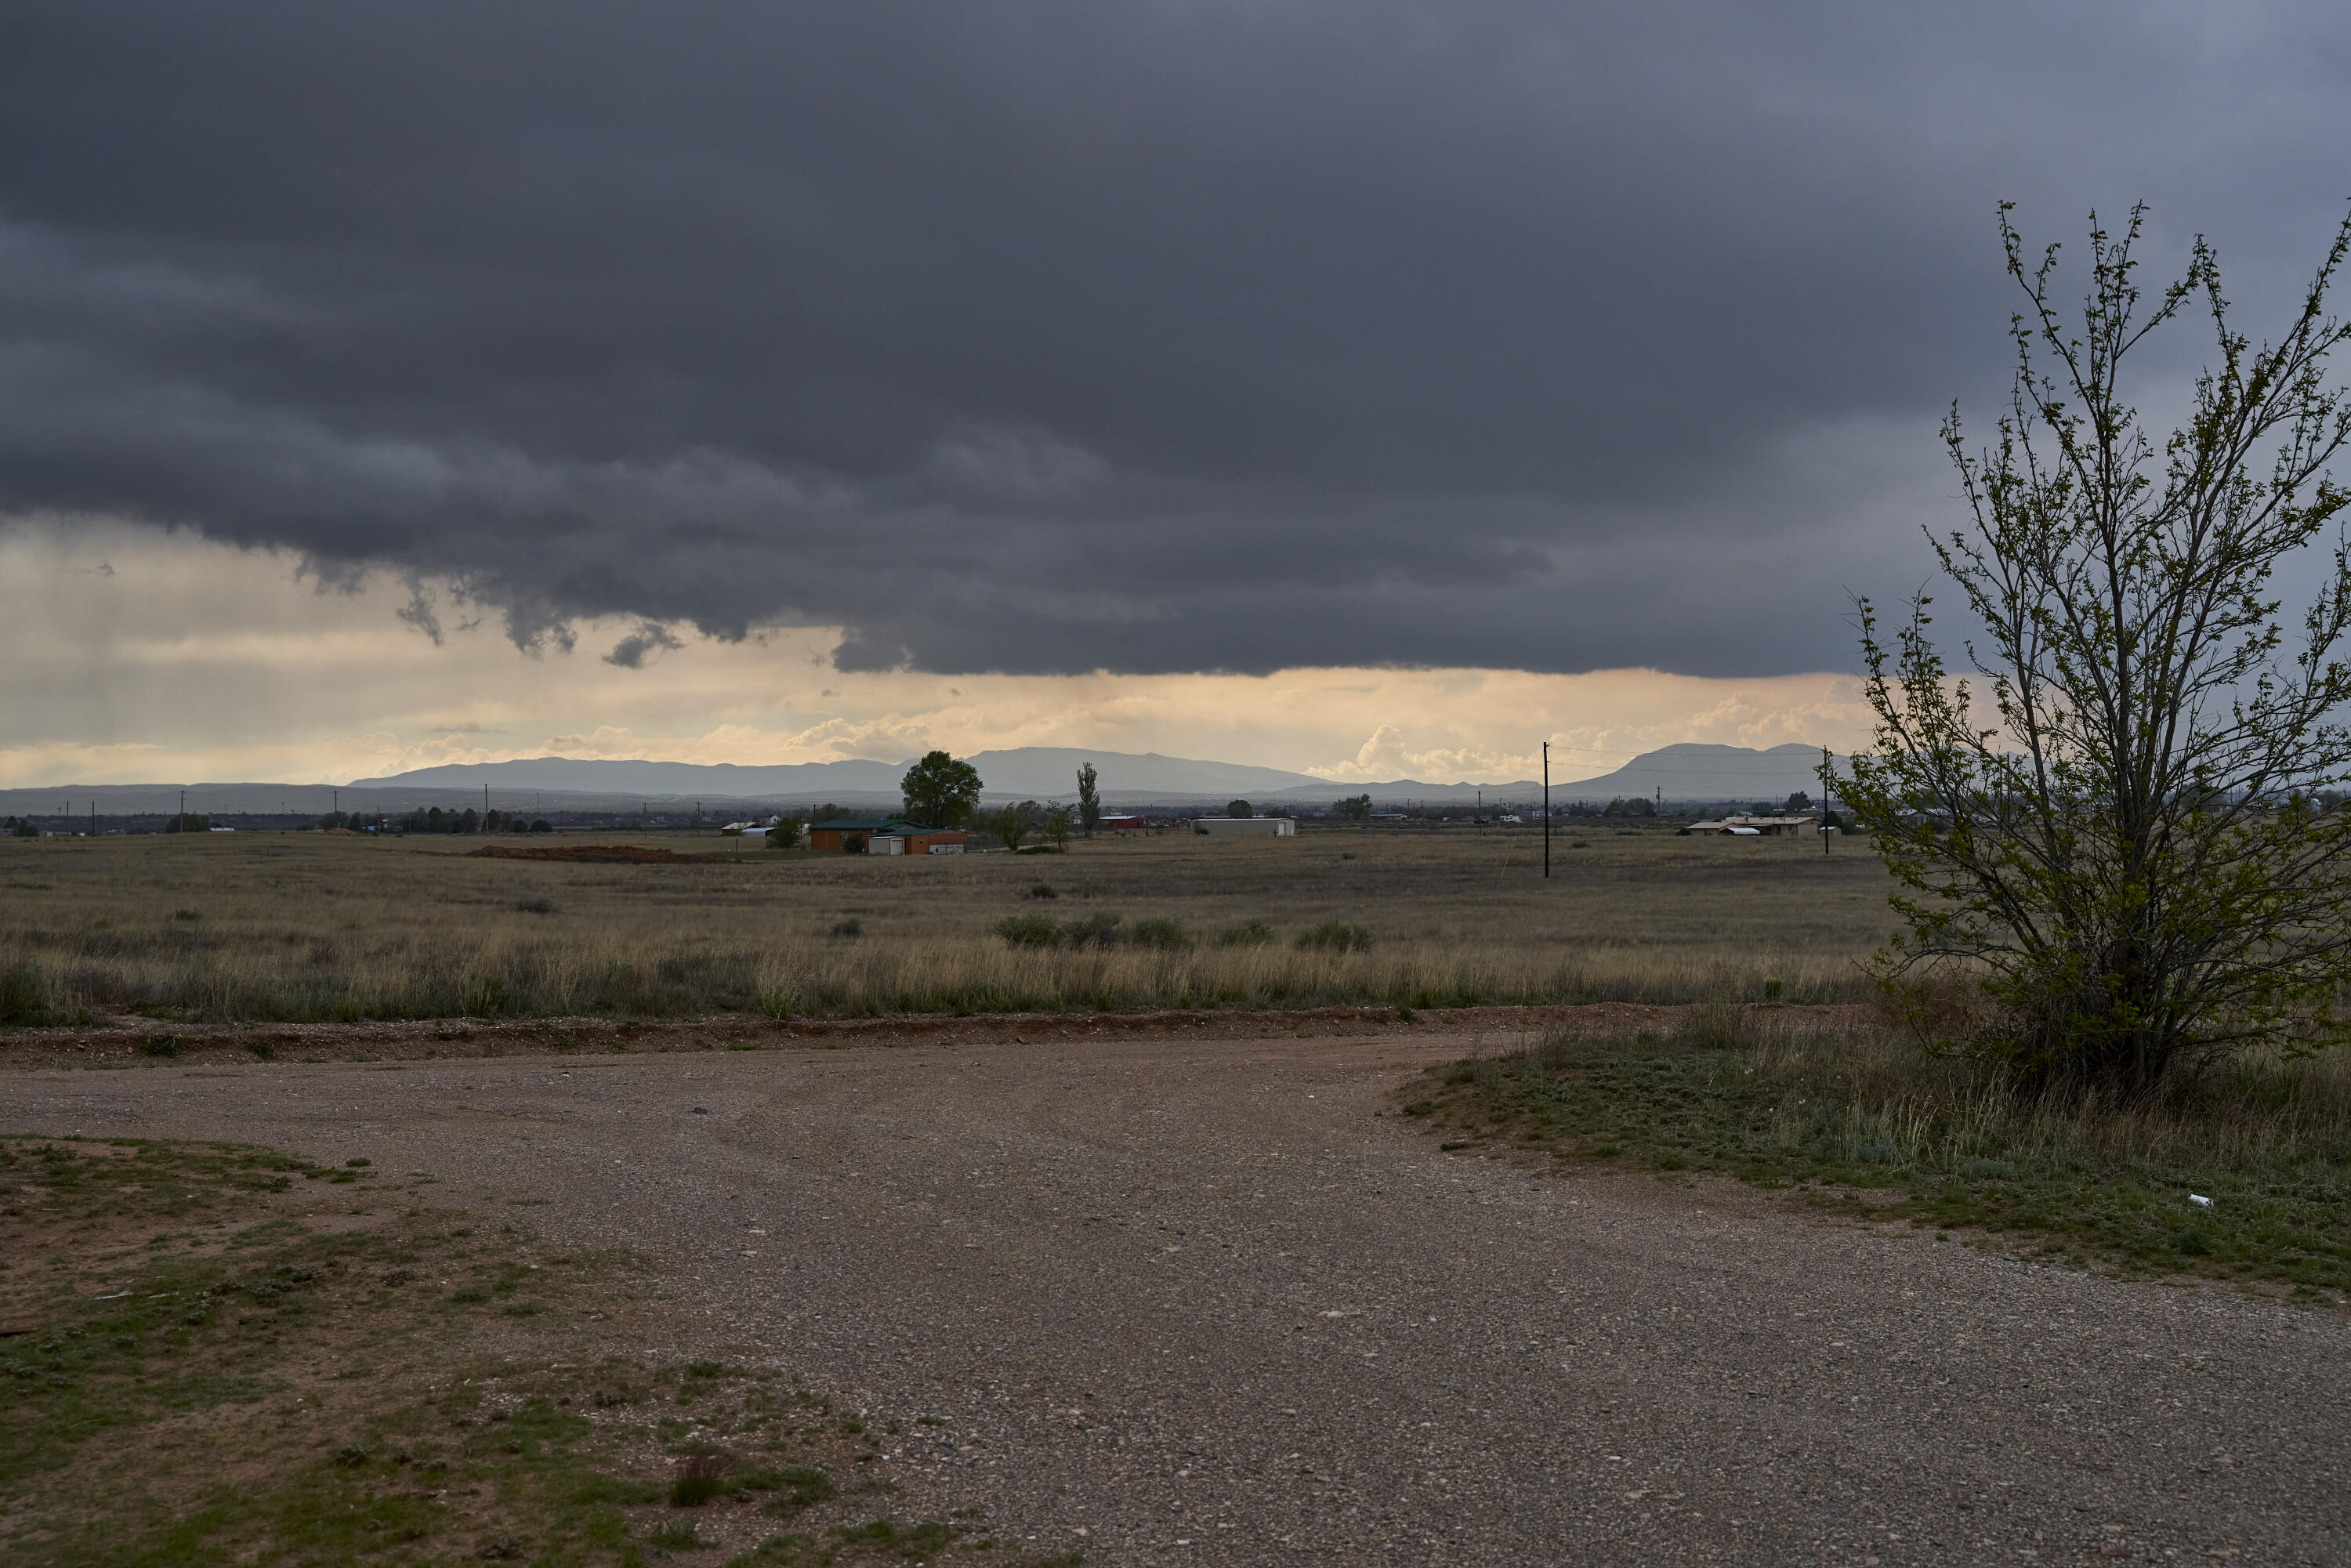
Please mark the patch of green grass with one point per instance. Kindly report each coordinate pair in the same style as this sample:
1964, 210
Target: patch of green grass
1939, 1140
1029, 930
344, 1408
1246, 934
1337, 936
677, 1535
1161, 931
23, 995
914, 1541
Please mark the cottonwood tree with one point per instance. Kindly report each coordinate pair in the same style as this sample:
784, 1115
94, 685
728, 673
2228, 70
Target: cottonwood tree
1089, 799
1011, 825
2124, 846
940, 792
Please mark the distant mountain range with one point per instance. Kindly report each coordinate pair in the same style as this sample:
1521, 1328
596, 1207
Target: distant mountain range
1687, 772
1684, 772
1037, 770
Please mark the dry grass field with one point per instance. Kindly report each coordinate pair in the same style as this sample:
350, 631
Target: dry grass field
308, 928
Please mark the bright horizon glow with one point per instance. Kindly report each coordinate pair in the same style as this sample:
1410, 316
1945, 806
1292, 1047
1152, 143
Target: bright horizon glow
139, 657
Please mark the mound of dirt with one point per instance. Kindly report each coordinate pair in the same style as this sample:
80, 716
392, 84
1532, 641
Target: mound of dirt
604, 855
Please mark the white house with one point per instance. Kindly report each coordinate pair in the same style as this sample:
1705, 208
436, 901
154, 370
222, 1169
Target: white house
1245, 827
1767, 827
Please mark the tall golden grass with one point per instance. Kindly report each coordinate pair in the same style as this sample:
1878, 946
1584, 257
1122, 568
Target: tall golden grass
303, 927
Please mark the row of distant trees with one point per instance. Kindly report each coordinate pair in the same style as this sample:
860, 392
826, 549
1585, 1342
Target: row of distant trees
433, 819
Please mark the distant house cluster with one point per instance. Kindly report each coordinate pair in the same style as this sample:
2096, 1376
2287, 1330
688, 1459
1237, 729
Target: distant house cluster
1760, 827
1245, 827
883, 836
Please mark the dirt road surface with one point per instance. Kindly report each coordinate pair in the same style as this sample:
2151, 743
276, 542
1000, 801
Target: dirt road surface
1191, 1301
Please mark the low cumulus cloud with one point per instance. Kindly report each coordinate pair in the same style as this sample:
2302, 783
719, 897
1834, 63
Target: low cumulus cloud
1074, 337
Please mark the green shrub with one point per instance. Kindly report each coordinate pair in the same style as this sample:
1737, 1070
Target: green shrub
1029, 930
1337, 937
1159, 931
23, 998
1248, 934
700, 1478
1094, 931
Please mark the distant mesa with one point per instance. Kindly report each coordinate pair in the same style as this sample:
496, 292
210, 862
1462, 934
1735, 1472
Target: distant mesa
1693, 772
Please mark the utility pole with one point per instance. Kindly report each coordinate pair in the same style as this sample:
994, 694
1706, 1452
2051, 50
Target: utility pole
1546, 810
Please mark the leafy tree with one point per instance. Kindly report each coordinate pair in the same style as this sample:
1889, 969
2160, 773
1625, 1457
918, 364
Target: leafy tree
1634, 806
827, 812
25, 830
1089, 799
1238, 809
2125, 854
541, 825
1057, 825
940, 792
1798, 800
1011, 825
785, 834
1353, 809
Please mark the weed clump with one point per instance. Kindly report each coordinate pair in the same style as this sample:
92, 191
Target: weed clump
1337, 936
1041, 890
1246, 934
1094, 931
539, 905
847, 927
23, 998
1160, 931
700, 1478
1028, 930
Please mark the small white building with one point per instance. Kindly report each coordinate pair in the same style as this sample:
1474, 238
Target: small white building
1763, 827
1245, 827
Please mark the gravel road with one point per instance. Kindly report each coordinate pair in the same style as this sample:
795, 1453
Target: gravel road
1191, 1301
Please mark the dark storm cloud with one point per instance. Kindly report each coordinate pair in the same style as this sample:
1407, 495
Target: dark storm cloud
1053, 337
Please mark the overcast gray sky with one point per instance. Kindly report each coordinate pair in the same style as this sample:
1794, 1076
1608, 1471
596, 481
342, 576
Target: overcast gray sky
1055, 336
